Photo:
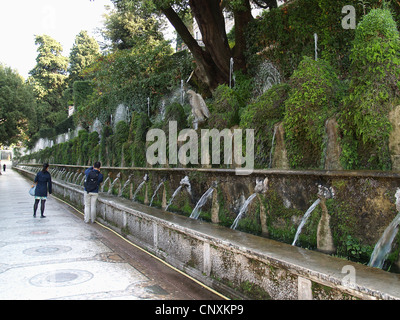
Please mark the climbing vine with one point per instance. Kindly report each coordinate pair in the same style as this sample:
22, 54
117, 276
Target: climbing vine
313, 98
373, 92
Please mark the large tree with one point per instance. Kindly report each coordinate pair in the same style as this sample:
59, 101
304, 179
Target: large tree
48, 78
16, 106
125, 29
212, 60
84, 52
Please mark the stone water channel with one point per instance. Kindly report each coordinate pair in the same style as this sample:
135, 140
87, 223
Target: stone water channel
213, 243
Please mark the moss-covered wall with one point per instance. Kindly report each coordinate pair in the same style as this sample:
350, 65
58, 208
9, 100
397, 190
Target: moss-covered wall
362, 207
235, 263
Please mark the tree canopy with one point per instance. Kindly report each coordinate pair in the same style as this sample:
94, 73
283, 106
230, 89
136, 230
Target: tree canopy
50, 72
16, 106
48, 79
212, 60
83, 53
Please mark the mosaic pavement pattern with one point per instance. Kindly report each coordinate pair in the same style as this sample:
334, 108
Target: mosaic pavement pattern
60, 257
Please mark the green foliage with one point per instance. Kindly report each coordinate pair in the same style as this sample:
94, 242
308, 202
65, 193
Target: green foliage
131, 135
312, 100
227, 103
104, 145
261, 115
334, 41
373, 91
48, 78
126, 29
174, 112
82, 91
121, 133
83, 53
243, 87
82, 147
352, 249
141, 65
47, 133
64, 125
286, 34
120, 137
131, 76
283, 36
142, 124
224, 108
128, 147
93, 147
127, 152
16, 103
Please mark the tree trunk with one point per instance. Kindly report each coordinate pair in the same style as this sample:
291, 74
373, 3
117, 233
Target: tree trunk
242, 19
211, 22
208, 71
213, 61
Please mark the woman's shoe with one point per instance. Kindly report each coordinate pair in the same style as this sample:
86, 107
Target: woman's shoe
42, 216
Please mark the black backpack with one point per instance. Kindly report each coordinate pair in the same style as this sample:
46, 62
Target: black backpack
92, 181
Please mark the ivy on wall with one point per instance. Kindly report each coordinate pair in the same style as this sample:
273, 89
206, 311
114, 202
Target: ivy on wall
313, 98
373, 92
355, 79
261, 115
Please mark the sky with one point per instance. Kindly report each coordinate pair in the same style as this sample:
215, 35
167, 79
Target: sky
21, 20
62, 20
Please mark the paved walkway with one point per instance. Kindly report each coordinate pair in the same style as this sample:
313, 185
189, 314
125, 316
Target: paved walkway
61, 257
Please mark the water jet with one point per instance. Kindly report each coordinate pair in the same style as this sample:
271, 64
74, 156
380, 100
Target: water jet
183, 183
145, 179
384, 245
197, 210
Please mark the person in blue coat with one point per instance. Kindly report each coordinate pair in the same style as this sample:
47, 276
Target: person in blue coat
43, 187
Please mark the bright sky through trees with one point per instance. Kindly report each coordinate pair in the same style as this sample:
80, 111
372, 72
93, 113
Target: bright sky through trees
21, 20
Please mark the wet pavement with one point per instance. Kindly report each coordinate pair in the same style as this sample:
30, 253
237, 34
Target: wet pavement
61, 257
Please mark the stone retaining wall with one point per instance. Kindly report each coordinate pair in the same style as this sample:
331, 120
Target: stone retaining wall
238, 264
362, 207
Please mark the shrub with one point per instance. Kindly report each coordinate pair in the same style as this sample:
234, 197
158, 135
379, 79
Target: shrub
64, 125
224, 108
262, 115
82, 91
127, 152
120, 137
104, 148
47, 133
174, 112
374, 90
285, 34
141, 125
82, 147
93, 146
312, 100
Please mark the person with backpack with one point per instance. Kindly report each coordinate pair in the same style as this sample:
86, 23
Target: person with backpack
92, 183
